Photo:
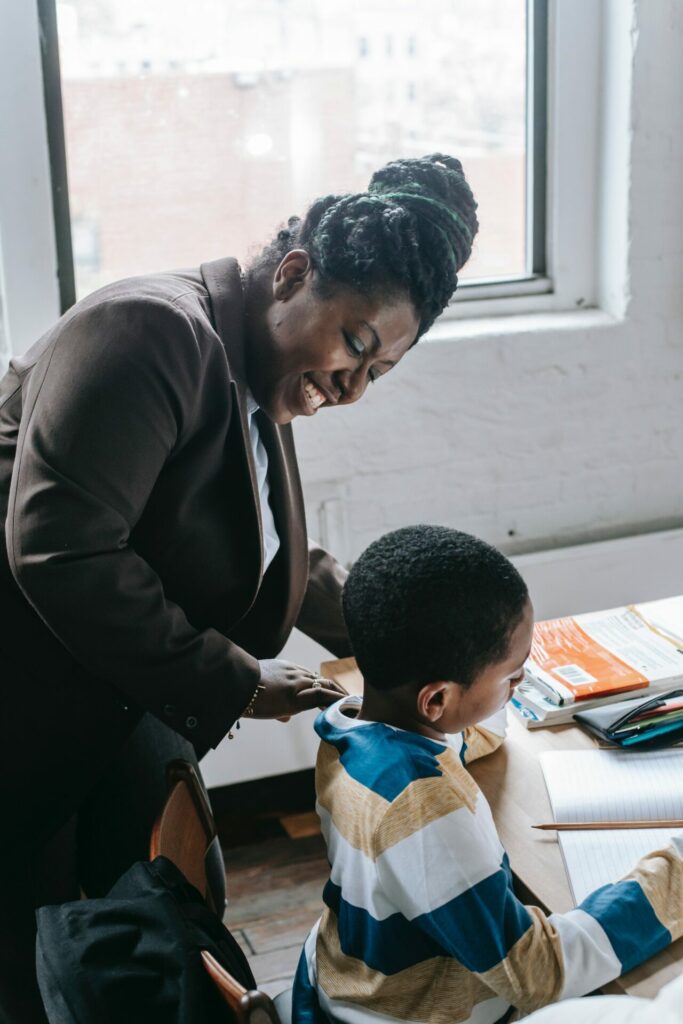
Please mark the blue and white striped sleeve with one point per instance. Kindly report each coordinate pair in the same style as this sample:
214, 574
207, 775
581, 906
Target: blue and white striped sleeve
450, 879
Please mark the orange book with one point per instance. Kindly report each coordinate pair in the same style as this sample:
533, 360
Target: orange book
598, 654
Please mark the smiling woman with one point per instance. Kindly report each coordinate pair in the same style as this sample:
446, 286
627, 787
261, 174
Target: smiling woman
155, 557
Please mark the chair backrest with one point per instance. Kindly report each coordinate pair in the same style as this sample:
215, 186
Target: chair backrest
185, 829
245, 1007
185, 832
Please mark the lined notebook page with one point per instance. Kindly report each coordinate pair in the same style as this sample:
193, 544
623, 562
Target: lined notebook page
592, 859
611, 785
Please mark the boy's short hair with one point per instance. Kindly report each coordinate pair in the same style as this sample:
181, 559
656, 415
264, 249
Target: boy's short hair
428, 603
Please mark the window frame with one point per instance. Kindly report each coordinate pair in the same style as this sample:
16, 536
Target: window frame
573, 107
56, 144
28, 262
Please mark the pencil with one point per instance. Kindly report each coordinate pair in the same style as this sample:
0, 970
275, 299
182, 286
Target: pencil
565, 826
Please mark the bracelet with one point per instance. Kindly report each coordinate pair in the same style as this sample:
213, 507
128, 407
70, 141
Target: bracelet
249, 710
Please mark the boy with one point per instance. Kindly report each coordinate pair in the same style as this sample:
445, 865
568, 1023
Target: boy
421, 922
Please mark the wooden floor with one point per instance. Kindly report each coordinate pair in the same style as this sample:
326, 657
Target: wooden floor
274, 897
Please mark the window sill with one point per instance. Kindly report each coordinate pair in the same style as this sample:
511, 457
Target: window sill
449, 329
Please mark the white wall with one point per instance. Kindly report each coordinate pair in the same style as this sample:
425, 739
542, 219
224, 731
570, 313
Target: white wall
553, 429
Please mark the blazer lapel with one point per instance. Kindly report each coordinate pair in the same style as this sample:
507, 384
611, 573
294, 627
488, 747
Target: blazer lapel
224, 285
223, 282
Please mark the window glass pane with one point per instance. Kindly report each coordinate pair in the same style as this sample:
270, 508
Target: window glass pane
193, 131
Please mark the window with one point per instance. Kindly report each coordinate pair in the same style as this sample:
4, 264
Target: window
219, 181
190, 137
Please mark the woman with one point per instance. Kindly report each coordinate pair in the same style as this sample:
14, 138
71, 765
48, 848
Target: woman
155, 555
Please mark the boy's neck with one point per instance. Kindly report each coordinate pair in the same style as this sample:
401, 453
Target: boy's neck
398, 709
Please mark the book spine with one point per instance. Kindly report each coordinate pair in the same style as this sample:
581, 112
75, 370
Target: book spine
552, 688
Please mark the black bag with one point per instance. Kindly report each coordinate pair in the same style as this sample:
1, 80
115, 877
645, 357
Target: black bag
134, 956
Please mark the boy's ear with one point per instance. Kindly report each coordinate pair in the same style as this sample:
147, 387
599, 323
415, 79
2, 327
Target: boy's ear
432, 699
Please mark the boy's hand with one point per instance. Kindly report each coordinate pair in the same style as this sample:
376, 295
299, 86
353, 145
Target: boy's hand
289, 689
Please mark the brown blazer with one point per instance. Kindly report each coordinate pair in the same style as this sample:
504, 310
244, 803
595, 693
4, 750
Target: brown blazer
131, 577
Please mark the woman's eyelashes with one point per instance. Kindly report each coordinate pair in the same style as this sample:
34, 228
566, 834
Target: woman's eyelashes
354, 345
358, 351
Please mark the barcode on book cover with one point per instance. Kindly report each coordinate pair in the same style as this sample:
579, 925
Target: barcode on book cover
574, 674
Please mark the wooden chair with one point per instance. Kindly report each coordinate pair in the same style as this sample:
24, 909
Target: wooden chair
244, 1007
185, 833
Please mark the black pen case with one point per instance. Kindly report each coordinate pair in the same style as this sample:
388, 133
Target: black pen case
621, 724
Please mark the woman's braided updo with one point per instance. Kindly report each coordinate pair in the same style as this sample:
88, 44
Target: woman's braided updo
409, 234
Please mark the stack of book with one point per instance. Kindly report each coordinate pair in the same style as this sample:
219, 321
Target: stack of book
584, 661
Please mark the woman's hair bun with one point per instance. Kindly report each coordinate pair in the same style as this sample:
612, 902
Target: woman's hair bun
433, 187
431, 172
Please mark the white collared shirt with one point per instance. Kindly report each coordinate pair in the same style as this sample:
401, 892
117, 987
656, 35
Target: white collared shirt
271, 540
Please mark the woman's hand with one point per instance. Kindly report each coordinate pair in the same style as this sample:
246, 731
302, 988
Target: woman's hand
289, 688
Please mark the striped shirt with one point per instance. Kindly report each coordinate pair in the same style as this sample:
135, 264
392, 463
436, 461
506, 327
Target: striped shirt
421, 922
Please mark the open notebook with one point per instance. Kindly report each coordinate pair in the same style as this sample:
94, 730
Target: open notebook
611, 785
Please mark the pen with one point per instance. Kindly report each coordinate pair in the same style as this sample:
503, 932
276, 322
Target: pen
565, 826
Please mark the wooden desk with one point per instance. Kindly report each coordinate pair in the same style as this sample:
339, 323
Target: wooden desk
512, 781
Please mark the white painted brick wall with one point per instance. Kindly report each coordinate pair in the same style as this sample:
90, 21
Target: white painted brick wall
551, 430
